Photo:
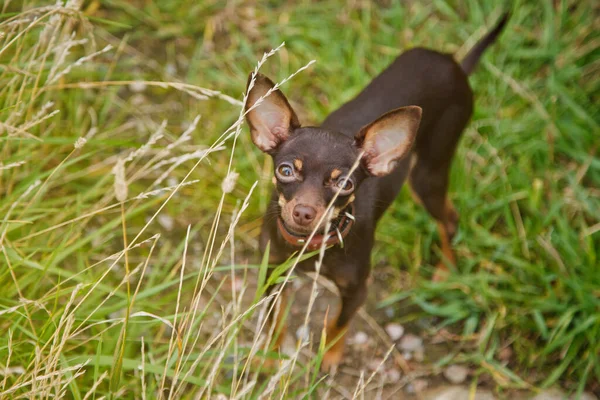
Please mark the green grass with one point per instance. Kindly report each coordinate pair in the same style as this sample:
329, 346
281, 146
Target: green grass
525, 182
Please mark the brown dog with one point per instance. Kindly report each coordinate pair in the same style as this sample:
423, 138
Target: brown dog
405, 123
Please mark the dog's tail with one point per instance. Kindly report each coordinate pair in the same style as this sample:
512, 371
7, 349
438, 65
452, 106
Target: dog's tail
469, 63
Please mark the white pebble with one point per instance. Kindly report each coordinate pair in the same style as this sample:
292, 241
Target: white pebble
395, 331
456, 373
417, 386
410, 342
303, 333
360, 338
392, 375
374, 364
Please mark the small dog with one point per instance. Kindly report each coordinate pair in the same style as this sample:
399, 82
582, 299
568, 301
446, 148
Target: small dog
405, 124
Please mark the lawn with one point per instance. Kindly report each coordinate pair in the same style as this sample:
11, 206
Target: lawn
128, 269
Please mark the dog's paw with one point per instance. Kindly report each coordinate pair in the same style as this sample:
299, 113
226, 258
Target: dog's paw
441, 273
331, 360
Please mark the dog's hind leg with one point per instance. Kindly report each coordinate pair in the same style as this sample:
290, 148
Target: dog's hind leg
429, 179
432, 194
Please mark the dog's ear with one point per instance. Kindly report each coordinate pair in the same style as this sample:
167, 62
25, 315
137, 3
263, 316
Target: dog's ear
272, 120
389, 138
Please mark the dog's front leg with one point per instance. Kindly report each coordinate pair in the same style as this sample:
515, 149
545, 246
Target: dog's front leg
351, 282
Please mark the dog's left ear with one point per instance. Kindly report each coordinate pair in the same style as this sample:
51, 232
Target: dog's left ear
389, 138
273, 119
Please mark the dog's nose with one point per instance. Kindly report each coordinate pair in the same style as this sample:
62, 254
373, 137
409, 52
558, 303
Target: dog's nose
304, 215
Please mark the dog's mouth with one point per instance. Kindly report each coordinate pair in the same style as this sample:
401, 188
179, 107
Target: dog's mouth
338, 230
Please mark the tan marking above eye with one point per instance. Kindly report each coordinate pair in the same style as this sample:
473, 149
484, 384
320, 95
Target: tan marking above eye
335, 173
298, 164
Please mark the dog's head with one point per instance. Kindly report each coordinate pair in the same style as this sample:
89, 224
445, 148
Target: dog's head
313, 164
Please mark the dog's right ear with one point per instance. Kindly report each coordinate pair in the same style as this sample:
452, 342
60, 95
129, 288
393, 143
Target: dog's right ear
273, 119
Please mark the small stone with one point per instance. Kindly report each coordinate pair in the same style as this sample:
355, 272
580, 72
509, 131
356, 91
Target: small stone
374, 364
303, 333
395, 331
407, 355
417, 386
559, 394
456, 373
389, 312
456, 393
392, 375
410, 342
420, 385
360, 338
550, 394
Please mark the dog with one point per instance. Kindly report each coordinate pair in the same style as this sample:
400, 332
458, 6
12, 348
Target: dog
405, 124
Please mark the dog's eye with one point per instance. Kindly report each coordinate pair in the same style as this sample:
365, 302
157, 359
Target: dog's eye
285, 172
344, 186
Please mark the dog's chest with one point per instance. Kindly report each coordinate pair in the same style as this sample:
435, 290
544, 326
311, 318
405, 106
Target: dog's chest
334, 266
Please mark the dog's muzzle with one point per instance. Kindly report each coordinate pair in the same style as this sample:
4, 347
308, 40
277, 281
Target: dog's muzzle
339, 229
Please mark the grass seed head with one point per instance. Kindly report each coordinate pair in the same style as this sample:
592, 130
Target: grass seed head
120, 182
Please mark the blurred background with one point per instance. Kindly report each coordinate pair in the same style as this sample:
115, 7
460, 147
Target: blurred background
120, 120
